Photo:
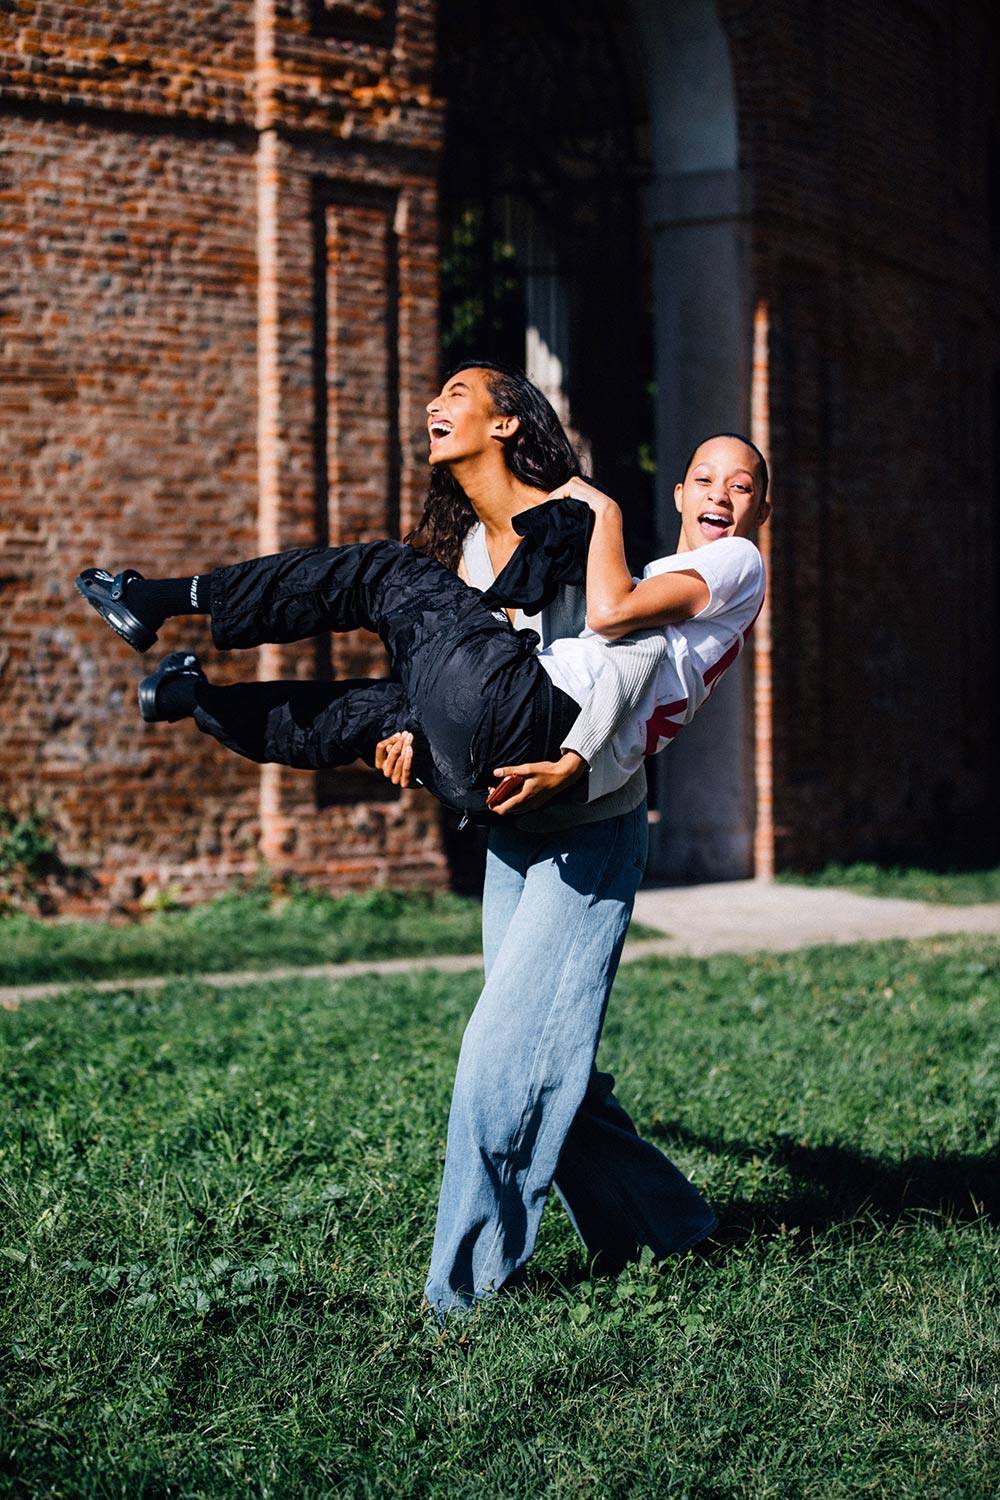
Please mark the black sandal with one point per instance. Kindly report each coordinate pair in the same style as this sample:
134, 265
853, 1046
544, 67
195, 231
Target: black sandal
177, 664
106, 594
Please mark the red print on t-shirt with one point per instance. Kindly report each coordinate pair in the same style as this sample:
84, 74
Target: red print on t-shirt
660, 726
662, 723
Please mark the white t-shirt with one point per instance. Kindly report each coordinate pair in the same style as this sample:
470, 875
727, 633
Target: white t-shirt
697, 653
564, 618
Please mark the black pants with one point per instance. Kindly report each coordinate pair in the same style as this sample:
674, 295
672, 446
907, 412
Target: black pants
468, 685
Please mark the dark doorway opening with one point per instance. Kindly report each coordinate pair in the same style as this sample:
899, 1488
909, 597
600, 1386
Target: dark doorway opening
544, 260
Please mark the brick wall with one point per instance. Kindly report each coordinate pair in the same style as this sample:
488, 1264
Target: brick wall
217, 266
864, 131
155, 57
129, 279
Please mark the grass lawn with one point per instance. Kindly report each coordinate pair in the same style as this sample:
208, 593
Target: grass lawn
216, 1210
246, 929
956, 887
243, 930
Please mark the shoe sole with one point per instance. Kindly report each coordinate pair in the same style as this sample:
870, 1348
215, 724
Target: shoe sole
149, 688
147, 700
122, 621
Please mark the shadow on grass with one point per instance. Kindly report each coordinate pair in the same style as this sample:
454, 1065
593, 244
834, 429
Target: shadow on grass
836, 1185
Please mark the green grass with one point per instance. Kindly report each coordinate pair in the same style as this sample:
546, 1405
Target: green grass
242, 930
216, 1210
956, 887
246, 930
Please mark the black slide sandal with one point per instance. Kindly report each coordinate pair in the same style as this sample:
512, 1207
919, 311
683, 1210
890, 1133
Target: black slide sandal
177, 664
106, 594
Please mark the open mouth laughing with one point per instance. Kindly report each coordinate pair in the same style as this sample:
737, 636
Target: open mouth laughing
715, 523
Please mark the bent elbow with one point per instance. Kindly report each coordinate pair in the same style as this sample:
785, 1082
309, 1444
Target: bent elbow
600, 619
606, 622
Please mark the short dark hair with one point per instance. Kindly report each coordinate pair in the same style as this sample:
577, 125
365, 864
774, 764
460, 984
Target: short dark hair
740, 438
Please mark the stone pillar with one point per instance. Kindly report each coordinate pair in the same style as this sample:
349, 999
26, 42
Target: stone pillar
704, 781
697, 211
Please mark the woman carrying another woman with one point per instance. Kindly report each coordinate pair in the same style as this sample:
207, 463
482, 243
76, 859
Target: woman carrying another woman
529, 1106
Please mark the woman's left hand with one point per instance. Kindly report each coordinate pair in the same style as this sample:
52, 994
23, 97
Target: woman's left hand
578, 489
394, 757
542, 780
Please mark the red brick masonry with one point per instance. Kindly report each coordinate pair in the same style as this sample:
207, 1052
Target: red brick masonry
218, 321
217, 259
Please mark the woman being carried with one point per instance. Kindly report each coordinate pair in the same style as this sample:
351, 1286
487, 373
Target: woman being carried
473, 695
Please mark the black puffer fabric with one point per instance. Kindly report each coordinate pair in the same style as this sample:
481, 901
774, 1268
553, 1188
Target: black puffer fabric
468, 684
554, 552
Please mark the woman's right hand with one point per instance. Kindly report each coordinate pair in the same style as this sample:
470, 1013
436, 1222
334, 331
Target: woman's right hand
578, 489
394, 757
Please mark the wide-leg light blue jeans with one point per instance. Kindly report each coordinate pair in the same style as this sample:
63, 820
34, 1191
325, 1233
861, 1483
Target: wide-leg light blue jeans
529, 1106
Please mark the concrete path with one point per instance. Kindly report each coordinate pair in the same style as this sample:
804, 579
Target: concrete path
743, 916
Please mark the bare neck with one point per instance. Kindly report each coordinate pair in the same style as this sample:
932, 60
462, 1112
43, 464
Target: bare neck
495, 494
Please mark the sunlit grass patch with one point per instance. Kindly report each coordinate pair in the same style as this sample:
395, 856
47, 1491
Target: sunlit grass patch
954, 887
246, 929
216, 1211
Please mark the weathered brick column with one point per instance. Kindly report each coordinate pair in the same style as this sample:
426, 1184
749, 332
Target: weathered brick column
347, 357
763, 700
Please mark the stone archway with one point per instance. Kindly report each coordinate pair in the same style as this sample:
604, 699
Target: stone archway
592, 229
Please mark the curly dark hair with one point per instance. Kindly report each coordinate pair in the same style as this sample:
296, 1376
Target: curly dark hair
539, 454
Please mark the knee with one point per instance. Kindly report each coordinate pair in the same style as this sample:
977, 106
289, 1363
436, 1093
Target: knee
485, 1094
474, 1072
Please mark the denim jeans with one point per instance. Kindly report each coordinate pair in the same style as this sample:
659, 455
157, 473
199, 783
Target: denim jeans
529, 1107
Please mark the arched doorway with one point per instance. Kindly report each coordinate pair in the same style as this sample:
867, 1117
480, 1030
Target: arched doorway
591, 229
543, 255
